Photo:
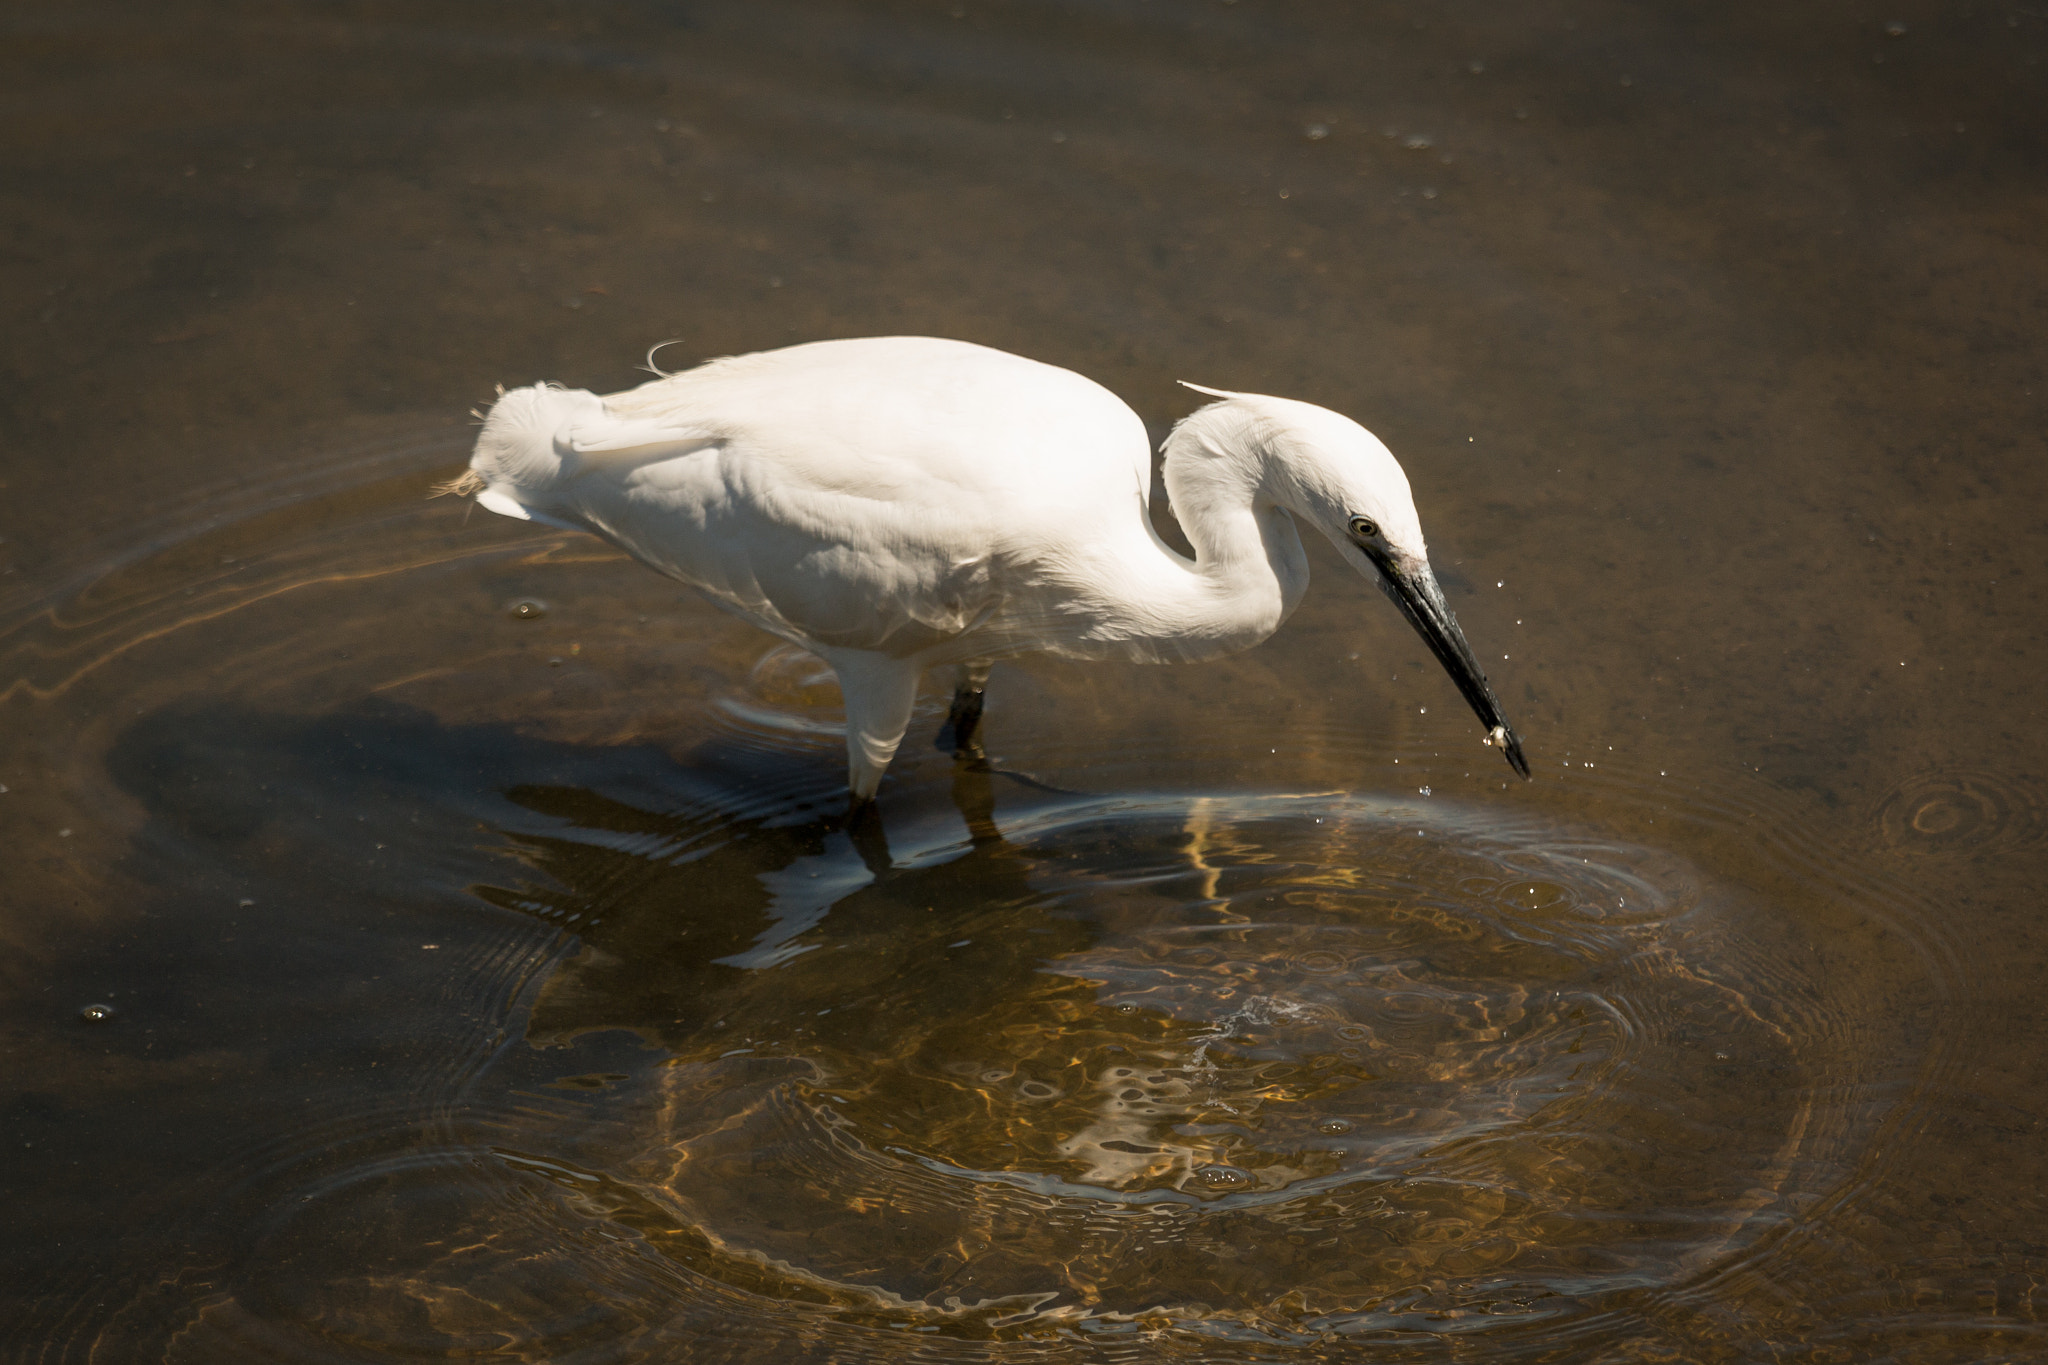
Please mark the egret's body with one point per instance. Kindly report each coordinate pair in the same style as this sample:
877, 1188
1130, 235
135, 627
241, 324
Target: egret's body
900, 503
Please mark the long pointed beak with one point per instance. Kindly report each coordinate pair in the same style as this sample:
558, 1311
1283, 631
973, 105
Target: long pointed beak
1414, 590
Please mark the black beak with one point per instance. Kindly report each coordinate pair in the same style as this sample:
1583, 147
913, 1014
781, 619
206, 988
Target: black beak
1415, 592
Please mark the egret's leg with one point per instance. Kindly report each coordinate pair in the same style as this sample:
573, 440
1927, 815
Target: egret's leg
879, 693
962, 731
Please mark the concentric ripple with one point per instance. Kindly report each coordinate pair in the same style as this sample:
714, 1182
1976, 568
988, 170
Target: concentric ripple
1956, 811
1270, 1068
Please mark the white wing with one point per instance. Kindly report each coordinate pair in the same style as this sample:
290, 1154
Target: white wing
890, 494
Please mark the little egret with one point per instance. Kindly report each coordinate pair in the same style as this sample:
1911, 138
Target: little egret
896, 504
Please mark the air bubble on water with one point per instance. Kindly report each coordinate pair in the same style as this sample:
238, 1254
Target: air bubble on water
1316, 132
1334, 1127
526, 608
1224, 1177
1895, 29
1423, 790
1416, 142
96, 1014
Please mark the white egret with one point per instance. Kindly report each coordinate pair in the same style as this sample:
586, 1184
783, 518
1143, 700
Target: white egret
896, 504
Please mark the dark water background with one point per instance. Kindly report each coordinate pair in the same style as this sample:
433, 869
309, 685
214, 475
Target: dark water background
486, 984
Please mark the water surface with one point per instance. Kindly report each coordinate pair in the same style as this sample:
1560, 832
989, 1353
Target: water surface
427, 937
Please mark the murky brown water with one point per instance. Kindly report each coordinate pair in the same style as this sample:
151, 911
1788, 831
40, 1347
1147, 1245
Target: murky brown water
426, 938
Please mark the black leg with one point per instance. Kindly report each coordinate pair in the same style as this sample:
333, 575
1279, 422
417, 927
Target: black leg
962, 731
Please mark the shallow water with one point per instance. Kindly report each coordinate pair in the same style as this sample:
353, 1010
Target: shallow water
426, 937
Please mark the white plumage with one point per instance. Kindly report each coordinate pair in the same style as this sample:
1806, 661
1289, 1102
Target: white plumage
900, 503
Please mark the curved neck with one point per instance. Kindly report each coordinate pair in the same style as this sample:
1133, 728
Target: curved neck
1249, 570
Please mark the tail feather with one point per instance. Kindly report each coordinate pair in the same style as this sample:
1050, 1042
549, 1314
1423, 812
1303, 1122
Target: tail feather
520, 449
537, 440
464, 485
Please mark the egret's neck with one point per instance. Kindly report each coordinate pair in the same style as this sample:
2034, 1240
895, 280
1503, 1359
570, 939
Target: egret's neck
1249, 571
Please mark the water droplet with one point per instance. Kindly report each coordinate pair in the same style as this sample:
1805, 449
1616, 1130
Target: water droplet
96, 1014
1423, 790
526, 608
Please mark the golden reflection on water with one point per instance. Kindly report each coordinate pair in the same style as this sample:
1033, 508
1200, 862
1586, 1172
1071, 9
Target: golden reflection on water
1298, 1064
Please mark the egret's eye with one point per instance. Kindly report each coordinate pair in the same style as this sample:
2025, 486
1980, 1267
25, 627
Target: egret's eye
1365, 528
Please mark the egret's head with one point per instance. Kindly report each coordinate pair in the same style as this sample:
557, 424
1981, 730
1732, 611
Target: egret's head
1332, 472
1329, 471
